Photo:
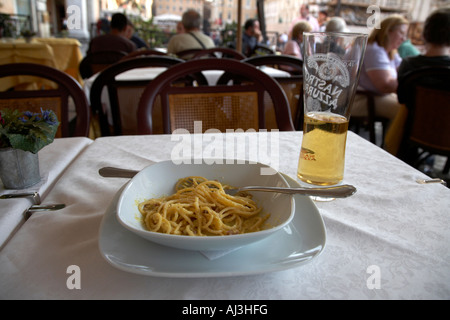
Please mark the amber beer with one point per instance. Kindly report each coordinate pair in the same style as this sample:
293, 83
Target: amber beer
322, 156
331, 71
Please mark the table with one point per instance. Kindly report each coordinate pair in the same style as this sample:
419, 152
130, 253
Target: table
21, 52
53, 160
129, 124
142, 74
388, 241
67, 55
61, 53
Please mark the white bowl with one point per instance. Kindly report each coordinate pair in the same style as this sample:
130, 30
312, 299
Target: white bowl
159, 179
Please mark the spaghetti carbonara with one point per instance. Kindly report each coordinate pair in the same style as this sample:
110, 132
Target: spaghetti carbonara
200, 207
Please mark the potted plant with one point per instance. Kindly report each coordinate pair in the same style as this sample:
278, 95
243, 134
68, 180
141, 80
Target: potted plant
27, 34
22, 135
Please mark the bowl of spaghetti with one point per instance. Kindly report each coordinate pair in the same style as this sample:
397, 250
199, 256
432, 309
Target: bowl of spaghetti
186, 206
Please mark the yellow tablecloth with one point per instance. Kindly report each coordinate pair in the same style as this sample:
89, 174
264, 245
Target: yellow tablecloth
16, 52
67, 54
63, 54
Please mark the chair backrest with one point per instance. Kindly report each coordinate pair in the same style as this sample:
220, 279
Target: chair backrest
95, 62
292, 85
118, 115
261, 50
143, 53
219, 53
220, 107
187, 54
66, 98
426, 94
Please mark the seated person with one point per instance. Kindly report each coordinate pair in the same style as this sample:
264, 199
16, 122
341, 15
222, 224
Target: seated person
407, 49
192, 37
379, 75
116, 39
180, 27
336, 24
251, 37
322, 20
294, 46
134, 37
436, 34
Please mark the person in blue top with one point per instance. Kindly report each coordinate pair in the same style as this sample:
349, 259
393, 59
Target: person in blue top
251, 37
379, 74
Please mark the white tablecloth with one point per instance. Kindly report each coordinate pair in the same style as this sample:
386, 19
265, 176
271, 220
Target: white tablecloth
392, 227
142, 74
53, 160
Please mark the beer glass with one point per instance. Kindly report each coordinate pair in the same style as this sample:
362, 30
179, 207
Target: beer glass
331, 68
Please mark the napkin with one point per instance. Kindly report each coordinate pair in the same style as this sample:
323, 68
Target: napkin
216, 254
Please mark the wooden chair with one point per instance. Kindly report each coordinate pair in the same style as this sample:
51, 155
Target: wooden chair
187, 54
261, 50
219, 53
292, 86
143, 53
66, 97
369, 121
97, 61
220, 107
123, 95
426, 94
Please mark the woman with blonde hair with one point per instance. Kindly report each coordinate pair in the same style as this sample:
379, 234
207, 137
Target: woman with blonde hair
379, 76
294, 46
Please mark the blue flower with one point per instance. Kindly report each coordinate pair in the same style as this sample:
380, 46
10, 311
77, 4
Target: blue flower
30, 115
49, 117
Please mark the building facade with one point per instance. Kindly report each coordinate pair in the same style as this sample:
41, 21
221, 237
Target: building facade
78, 17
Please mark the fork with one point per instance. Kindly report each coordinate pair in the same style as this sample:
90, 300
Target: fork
342, 191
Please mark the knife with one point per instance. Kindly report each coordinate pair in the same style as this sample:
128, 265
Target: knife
47, 207
34, 195
111, 172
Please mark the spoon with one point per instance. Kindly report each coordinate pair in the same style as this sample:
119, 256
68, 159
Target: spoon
342, 191
39, 208
34, 195
435, 180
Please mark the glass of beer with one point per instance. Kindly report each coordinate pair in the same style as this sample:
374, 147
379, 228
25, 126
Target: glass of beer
331, 68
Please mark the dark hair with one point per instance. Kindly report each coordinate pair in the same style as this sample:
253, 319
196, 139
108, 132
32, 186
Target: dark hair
437, 28
249, 23
119, 21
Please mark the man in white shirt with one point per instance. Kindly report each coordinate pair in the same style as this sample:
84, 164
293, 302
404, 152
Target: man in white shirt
192, 38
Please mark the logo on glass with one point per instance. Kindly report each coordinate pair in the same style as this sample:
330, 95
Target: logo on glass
325, 87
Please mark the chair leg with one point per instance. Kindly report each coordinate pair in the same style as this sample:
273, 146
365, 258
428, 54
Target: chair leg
383, 132
371, 116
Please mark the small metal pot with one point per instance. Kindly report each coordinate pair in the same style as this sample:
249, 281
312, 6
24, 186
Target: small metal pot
18, 169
